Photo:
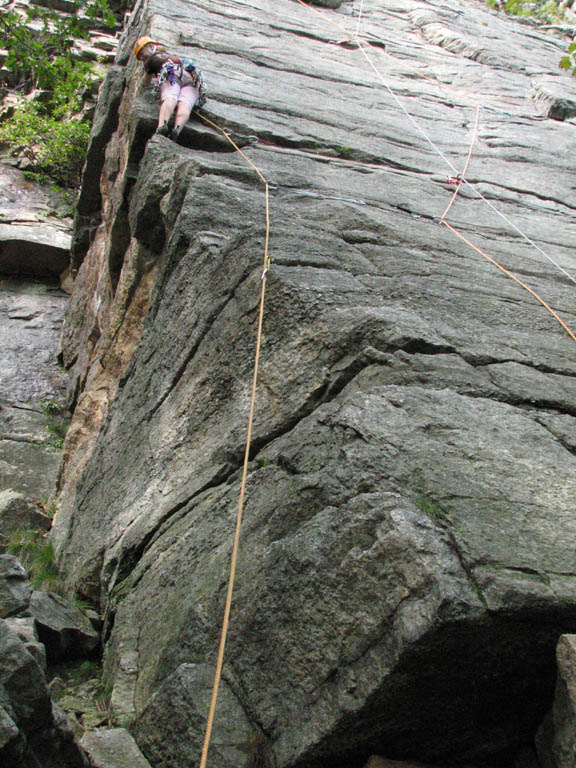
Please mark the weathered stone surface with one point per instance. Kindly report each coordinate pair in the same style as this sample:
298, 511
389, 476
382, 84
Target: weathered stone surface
39, 251
44, 734
19, 513
114, 748
407, 551
25, 202
12, 742
105, 121
62, 627
31, 317
558, 741
14, 591
28, 463
186, 693
380, 762
26, 630
30, 322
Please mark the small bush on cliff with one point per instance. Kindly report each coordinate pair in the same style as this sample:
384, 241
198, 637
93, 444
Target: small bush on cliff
55, 425
544, 11
568, 62
36, 553
41, 60
53, 147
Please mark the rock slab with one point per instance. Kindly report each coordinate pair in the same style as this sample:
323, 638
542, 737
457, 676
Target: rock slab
113, 748
407, 544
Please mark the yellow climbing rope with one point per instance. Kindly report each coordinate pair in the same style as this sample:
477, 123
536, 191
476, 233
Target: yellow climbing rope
236, 544
266, 263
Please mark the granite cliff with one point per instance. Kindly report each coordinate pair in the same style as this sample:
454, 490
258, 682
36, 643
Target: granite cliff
407, 560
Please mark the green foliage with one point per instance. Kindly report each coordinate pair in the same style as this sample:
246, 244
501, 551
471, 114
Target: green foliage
40, 57
55, 147
51, 509
429, 507
54, 424
87, 670
568, 62
546, 11
50, 408
39, 50
36, 553
345, 152
57, 434
124, 721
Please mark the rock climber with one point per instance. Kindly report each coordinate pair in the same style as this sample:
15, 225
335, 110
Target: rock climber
178, 82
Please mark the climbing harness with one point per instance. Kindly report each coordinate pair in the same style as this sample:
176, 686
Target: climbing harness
173, 73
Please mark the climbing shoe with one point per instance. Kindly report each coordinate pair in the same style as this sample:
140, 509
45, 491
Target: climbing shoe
164, 130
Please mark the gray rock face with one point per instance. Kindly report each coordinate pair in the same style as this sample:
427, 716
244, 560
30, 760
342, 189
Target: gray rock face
407, 551
39, 250
26, 630
560, 751
114, 748
30, 321
14, 590
17, 513
31, 729
31, 317
63, 629
186, 693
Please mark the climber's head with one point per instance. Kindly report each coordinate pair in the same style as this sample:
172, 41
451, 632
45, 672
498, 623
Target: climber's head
144, 47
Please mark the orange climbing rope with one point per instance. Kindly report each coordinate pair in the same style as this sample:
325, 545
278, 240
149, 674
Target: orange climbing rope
460, 178
361, 46
236, 544
512, 276
459, 181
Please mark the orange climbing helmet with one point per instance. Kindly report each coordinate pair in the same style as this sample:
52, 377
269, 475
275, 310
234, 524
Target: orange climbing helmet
141, 43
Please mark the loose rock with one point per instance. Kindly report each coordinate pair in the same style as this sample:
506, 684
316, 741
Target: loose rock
15, 593
114, 748
62, 627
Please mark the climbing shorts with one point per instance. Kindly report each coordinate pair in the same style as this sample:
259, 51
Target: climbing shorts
185, 92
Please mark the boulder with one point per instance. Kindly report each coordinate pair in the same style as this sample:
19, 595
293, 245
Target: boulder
12, 742
186, 694
15, 593
43, 732
34, 251
113, 748
19, 513
557, 738
26, 630
63, 628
